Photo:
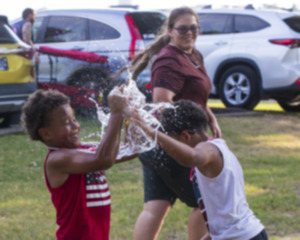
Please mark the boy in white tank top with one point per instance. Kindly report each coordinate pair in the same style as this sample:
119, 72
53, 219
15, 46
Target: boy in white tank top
219, 175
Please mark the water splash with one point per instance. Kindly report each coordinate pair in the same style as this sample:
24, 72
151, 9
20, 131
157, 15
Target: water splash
135, 140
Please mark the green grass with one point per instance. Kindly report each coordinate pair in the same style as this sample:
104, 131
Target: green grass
267, 145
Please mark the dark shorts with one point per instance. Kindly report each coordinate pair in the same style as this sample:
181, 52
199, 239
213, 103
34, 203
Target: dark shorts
165, 179
261, 236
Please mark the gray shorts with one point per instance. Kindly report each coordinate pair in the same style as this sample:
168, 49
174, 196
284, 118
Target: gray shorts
165, 179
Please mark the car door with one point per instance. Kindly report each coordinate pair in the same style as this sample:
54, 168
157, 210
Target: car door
59, 32
215, 39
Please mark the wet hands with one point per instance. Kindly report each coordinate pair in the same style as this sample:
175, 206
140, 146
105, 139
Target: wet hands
136, 118
117, 101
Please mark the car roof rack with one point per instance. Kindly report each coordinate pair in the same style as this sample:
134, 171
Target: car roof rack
125, 6
207, 7
289, 9
249, 6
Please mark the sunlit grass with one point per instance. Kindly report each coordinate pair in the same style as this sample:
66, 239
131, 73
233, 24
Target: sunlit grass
277, 141
252, 190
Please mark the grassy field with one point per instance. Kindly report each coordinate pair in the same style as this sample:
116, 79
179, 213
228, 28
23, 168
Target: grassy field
267, 145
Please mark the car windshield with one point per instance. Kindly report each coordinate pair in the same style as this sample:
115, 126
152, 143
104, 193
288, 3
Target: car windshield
293, 23
5, 34
149, 24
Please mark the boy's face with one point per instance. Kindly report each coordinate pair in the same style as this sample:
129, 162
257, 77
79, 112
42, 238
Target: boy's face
63, 128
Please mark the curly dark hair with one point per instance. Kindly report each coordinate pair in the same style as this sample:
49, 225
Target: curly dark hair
186, 115
37, 109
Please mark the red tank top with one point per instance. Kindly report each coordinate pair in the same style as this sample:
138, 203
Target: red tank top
82, 206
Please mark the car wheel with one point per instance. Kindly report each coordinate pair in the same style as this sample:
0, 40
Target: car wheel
239, 87
289, 106
10, 119
93, 80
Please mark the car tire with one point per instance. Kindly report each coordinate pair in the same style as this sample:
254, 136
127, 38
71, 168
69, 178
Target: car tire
97, 80
239, 87
289, 106
10, 119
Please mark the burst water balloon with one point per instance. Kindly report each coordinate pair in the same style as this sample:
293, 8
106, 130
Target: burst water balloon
136, 140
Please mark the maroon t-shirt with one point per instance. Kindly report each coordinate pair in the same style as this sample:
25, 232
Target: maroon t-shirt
180, 73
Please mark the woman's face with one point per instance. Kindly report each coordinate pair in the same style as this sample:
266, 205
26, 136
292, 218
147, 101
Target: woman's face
184, 33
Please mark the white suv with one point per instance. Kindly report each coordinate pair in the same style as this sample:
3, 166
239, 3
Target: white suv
252, 55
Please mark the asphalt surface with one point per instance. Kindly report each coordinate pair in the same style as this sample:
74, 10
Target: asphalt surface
12, 129
234, 112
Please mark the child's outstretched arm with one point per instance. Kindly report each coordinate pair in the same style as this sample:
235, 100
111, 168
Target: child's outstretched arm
200, 155
127, 157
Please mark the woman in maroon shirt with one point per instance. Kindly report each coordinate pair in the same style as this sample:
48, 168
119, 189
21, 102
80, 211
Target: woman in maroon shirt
177, 73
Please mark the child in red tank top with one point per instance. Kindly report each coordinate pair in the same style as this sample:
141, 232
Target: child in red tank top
74, 172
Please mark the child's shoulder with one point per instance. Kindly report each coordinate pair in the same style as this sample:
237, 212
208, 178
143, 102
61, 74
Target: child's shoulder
216, 141
57, 154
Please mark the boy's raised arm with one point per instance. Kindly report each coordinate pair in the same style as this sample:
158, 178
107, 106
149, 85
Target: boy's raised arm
70, 161
200, 155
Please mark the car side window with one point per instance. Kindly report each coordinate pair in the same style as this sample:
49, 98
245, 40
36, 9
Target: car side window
215, 23
101, 31
66, 29
5, 36
148, 23
36, 26
293, 23
247, 23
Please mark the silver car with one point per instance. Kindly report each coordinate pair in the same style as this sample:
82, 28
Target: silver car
115, 33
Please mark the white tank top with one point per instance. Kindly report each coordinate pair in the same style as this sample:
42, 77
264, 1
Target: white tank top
228, 213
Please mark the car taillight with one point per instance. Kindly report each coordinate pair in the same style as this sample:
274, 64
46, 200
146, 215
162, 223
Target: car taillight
148, 86
26, 52
137, 43
293, 43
